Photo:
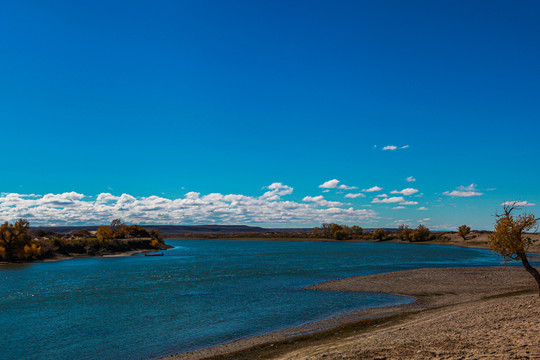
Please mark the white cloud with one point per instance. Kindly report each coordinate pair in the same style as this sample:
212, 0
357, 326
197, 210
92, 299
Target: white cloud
277, 190
193, 208
409, 203
192, 195
457, 193
464, 191
406, 222
325, 191
320, 200
398, 207
354, 196
388, 200
334, 184
422, 208
407, 191
64, 199
330, 184
278, 186
517, 203
394, 147
424, 220
410, 179
381, 195
373, 189
105, 197
471, 187
313, 198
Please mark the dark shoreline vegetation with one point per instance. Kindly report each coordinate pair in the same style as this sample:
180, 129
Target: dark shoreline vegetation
20, 243
330, 231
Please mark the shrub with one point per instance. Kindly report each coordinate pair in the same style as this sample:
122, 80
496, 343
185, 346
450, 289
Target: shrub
82, 233
421, 233
357, 231
105, 233
13, 238
379, 234
406, 235
340, 234
156, 235
135, 231
32, 251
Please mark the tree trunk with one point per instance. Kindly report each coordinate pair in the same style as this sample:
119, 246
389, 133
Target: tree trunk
531, 270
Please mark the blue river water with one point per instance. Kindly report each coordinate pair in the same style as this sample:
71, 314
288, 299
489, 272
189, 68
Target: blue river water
200, 294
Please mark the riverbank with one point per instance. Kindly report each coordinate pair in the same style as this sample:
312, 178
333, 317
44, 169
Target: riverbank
460, 311
69, 256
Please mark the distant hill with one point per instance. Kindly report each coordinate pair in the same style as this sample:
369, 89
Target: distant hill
170, 230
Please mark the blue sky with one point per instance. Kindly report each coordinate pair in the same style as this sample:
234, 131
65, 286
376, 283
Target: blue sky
161, 100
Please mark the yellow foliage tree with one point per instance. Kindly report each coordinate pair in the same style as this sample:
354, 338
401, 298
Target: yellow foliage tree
405, 235
508, 239
357, 230
105, 233
14, 238
379, 234
333, 229
421, 233
32, 251
463, 231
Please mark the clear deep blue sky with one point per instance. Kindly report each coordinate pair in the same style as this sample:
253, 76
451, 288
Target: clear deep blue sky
169, 97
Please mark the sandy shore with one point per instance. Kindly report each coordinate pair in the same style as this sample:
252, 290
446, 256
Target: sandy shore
460, 313
502, 328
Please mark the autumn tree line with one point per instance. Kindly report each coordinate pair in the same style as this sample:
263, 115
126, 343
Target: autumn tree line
344, 232
328, 231
20, 243
338, 232
119, 230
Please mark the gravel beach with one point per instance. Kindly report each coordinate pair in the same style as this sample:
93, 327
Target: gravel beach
459, 313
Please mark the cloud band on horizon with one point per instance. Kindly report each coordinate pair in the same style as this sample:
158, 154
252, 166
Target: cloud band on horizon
72, 208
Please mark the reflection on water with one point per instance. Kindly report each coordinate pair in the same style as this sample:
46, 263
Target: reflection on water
201, 293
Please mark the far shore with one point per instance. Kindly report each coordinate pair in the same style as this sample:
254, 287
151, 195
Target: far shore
500, 301
478, 242
475, 240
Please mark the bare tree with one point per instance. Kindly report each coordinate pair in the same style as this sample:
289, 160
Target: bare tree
326, 230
